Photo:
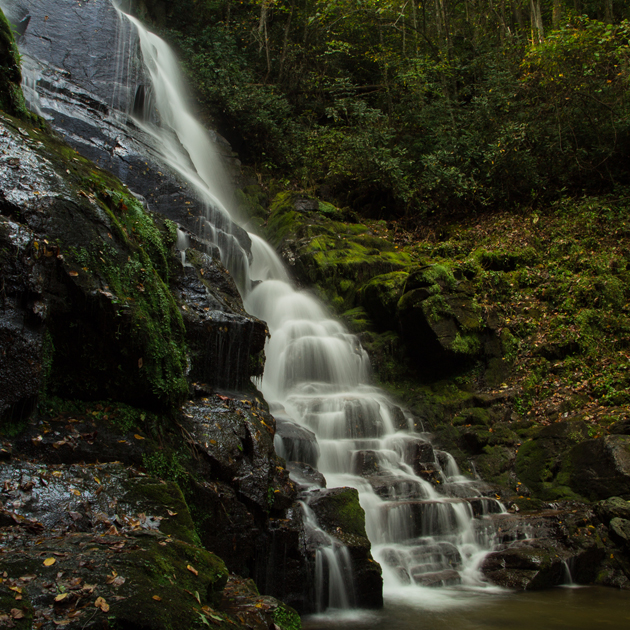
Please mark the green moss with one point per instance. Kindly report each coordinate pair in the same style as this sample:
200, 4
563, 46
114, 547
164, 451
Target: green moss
380, 296
286, 618
473, 415
466, 344
506, 260
25, 606
176, 518
11, 96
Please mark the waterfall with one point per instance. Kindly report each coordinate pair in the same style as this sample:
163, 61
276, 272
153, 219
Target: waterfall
427, 523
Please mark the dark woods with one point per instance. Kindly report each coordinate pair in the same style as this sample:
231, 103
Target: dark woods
398, 108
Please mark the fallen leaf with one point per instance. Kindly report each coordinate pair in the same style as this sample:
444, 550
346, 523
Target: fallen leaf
171, 513
16, 613
102, 604
117, 581
73, 273
17, 589
157, 598
61, 622
49, 562
61, 597
192, 569
138, 437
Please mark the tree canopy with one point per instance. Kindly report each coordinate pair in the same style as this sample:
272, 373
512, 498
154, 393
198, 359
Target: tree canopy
400, 107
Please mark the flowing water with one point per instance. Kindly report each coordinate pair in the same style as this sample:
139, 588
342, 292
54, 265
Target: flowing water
428, 525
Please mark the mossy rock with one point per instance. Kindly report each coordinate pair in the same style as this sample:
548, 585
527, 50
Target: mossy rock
543, 464
167, 496
506, 260
380, 297
339, 512
472, 415
11, 96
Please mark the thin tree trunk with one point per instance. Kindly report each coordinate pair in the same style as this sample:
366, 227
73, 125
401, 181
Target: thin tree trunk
608, 11
557, 13
264, 38
285, 43
414, 22
518, 15
538, 31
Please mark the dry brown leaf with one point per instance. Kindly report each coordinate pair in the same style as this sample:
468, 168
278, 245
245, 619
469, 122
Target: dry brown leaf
49, 562
192, 569
157, 598
16, 613
102, 604
138, 437
61, 597
171, 513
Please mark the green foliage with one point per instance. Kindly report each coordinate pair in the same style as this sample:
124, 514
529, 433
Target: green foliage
11, 97
164, 466
379, 106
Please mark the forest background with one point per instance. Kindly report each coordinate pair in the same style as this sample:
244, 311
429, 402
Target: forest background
401, 109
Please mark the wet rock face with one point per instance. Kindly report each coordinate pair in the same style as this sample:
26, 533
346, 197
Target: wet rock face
83, 79
21, 329
83, 269
222, 338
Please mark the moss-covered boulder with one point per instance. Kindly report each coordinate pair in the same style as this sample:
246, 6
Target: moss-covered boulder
543, 464
380, 297
340, 514
439, 319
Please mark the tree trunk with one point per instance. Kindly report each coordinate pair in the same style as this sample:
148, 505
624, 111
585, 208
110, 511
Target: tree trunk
285, 43
538, 31
557, 13
262, 33
608, 11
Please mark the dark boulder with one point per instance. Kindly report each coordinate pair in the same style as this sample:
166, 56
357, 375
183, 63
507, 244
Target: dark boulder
601, 467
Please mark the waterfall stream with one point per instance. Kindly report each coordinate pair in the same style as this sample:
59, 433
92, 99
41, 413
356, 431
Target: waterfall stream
426, 522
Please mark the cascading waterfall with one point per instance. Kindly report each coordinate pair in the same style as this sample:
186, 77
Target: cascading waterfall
425, 521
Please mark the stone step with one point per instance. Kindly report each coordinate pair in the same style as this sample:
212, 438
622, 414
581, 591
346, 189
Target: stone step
448, 577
